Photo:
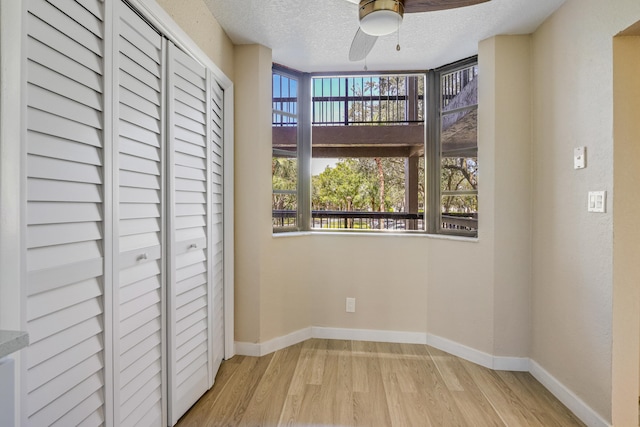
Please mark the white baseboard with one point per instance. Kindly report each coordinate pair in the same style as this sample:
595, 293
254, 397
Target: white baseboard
498, 363
369, 335
262, 349
567, 397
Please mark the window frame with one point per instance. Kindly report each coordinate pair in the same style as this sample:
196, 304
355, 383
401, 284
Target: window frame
434, 118
432, 151
303, 148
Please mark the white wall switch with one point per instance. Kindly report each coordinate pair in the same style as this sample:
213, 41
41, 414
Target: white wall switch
597, 201
351, 305
580, 157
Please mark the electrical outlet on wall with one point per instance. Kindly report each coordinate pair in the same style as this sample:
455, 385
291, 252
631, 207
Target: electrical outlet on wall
351, 305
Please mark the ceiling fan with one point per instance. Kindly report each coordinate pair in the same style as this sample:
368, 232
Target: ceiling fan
382, 17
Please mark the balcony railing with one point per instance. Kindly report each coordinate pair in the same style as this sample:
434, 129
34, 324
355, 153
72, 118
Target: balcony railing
374, 220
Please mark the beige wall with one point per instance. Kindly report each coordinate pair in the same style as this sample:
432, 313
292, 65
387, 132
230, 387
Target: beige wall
468, 291
386, 274
572, 249
252, 185
196, 20
511, 122
626, 204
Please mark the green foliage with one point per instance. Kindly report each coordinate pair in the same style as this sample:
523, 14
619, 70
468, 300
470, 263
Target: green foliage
459, 174
354, 184
284, 176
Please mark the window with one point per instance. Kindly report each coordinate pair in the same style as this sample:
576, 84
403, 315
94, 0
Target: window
389, 151
458, 141
284, 161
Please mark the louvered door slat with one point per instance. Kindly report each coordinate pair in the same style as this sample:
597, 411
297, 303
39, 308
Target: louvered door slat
132, 84
40, 74
64, 65
47, 348
58, 411
63, 127
57, 40
89, 15
52, 103
43, 190
49, 146
56, 18
65, 142
188, 375
140, 338
191, 113
84, 363
63, 170
138, 103
139, 149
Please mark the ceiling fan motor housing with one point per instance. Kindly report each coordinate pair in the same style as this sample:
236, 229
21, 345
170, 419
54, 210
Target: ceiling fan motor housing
380, 17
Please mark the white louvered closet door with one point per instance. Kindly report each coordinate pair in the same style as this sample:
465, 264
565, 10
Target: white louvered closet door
216, 238
189, 260
139, 331
65, 235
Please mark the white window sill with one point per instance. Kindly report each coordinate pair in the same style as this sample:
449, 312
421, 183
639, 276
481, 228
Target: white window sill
377, 234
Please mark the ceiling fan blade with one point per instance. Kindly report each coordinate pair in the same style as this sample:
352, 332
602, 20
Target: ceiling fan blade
415, 6
361, 45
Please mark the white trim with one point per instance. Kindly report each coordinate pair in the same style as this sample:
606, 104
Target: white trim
13, 295
498, 363
484, 359
110, 215
261, 349
369, 335
247, 349
518, 364
567, 397
228, 220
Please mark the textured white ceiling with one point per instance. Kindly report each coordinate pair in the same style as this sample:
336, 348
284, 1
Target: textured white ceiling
315, 35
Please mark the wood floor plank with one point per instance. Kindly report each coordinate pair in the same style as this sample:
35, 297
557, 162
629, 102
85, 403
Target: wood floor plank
546, 407
232, 403
403, 400
197, 415
512, 411
473, 404
369, 407
265, 407
353, 383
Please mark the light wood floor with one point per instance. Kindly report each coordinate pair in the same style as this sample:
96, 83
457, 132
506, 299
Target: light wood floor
350, 383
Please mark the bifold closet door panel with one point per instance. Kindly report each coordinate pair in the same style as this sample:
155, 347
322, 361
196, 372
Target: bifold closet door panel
139, 313
66, 302
189, 260
217, 227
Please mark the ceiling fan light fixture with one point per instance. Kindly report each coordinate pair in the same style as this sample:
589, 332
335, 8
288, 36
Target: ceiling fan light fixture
380, 17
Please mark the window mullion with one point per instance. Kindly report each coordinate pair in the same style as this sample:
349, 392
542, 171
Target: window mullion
432, 153
304, 152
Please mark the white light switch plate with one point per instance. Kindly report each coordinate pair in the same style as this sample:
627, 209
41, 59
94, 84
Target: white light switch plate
580, 157
597, 201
